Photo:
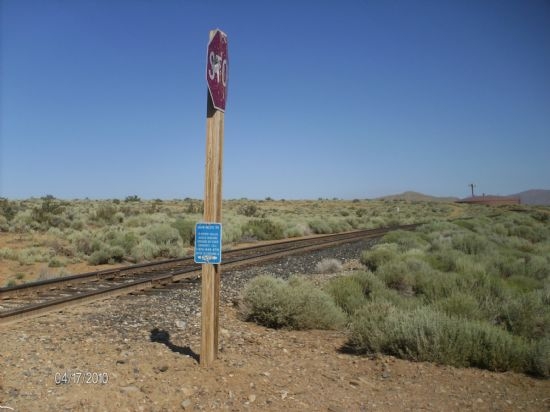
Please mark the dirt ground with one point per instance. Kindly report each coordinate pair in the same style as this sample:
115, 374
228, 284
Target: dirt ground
257, 369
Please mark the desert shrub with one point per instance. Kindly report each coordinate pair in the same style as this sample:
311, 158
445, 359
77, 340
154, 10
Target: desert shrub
470, 224
490, 291
231, 232
166, 238
470, 264
432, 285
186, 229
499, 229
23, 221
329, 266
353, 223
295, 304
445, 259
249, 210
438, 228
144, 250
539, 359
506, 265
522, 283
48, 213
331, 225
427, 335
297, 229
106, 254
132, 198
32, 255
130, 209
527, 315
396, 275
367, 333
83, 242
8, 253
532, 234
314, 309
459, 304
470, 243
516, 243
319, 226
379, 255
136, 221
351, 292
540, 216
124, 239
402, 274
106, 213
375, 221
405, 240
393, 221
77, 224
537, 267
474, 294
55, 232
8, 208
55, 263
4, 225
340, 225
263, 229
194, 206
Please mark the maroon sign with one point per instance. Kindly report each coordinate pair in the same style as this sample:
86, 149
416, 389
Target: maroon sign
216, 69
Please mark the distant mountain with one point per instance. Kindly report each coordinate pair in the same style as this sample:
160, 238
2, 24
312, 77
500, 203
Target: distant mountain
534, 197
418, 197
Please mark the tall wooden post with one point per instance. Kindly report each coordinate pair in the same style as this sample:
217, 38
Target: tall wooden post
217, 83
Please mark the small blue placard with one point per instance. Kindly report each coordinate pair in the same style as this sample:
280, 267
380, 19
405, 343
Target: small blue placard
208, 243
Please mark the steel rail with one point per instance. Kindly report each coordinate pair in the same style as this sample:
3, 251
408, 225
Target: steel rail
179, 269
109, 274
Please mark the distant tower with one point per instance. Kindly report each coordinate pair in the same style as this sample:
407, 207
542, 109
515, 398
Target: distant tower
472, 187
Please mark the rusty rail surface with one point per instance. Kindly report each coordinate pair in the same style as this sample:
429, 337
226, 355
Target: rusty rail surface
37, 298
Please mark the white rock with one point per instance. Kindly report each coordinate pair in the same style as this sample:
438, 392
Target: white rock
187, 391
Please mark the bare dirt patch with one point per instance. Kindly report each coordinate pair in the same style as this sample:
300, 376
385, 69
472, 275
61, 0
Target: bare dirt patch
152, 368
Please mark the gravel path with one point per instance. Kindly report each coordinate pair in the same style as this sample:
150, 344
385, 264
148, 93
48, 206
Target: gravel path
180, 306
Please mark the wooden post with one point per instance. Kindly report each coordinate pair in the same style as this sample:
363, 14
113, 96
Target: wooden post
212, 213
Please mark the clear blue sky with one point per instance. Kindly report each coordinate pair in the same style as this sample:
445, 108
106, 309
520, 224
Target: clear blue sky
348, 99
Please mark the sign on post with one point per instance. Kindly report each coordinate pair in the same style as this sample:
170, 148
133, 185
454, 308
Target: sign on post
208, 243
216, 69
209, 252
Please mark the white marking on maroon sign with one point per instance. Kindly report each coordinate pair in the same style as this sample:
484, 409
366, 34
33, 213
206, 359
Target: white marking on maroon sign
216, 69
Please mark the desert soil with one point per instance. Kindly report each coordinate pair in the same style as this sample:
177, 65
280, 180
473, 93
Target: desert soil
146, 348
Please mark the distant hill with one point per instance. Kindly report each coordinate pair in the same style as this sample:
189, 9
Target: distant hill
418, 197
534, 197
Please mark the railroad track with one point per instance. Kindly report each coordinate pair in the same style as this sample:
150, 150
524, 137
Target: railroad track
37, 298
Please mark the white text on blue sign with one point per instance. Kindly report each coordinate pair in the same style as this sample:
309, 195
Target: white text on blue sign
208, 243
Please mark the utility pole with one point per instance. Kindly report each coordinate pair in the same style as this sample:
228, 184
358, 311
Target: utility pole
472, 187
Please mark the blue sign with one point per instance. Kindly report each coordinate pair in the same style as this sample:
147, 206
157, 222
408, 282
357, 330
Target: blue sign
208, 243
